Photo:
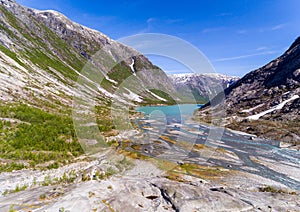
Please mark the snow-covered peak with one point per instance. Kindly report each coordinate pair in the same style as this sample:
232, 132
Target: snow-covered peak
200, 84
54, 12
190, 77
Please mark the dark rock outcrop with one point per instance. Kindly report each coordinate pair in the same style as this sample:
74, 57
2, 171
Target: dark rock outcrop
267, 99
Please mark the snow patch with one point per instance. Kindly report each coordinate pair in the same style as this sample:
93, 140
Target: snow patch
44, 16
52, 11
251, 109
189, 77
111, 80
105, 92
156, 96
132, 68
278, 107
132, 96
110, 95
69, 27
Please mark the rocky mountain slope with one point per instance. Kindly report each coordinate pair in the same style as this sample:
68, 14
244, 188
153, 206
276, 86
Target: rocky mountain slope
199, 85
266, 101
43, 53
46, 62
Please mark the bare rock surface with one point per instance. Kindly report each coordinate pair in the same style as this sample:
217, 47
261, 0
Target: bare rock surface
145, 188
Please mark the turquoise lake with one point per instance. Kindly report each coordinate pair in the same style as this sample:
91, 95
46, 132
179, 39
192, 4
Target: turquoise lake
173, 113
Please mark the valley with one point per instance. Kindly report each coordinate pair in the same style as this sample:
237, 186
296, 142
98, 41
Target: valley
146, 164
90, 124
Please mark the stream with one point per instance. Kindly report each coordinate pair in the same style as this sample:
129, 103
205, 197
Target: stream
166, 128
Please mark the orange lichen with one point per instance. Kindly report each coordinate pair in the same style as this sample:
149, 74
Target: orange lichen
166, 138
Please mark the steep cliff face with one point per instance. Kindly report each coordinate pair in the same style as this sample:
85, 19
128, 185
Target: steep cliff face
43, 53
199, 85
277, 81
266, 101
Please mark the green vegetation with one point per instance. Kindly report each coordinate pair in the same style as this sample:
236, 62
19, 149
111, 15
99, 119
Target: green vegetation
42, 55
34, 136
271, 189
47, 181
62, 209
20, 188
104, 119
12, 208
43, 196
67, 178
203, 172
11, 54
45, 61
4, 28
11, 166
188, 94
120, 72
17, 189
140, 65
64, 51
163, 95
11, 19
110, 171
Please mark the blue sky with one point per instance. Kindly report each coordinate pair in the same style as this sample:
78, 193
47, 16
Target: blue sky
237, 36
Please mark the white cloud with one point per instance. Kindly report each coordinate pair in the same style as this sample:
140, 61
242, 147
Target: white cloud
245, 56
153, 23
216, 29
261, 48
181, 71
242, 31
151, 20
274, 28
224, 14
279, 26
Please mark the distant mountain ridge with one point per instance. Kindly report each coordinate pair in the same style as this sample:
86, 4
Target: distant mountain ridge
266, 101
200, 84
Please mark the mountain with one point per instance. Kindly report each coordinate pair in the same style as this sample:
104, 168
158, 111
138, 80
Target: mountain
51, 65
43, 52
63, 85
266, 101
199, 85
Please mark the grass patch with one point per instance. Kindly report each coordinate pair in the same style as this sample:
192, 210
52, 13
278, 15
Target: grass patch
271, 189
36, 137
20, 188
203, 172
43, 196
11, 54
55, 53
133, 154
154, 101
120, 72
16, 190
